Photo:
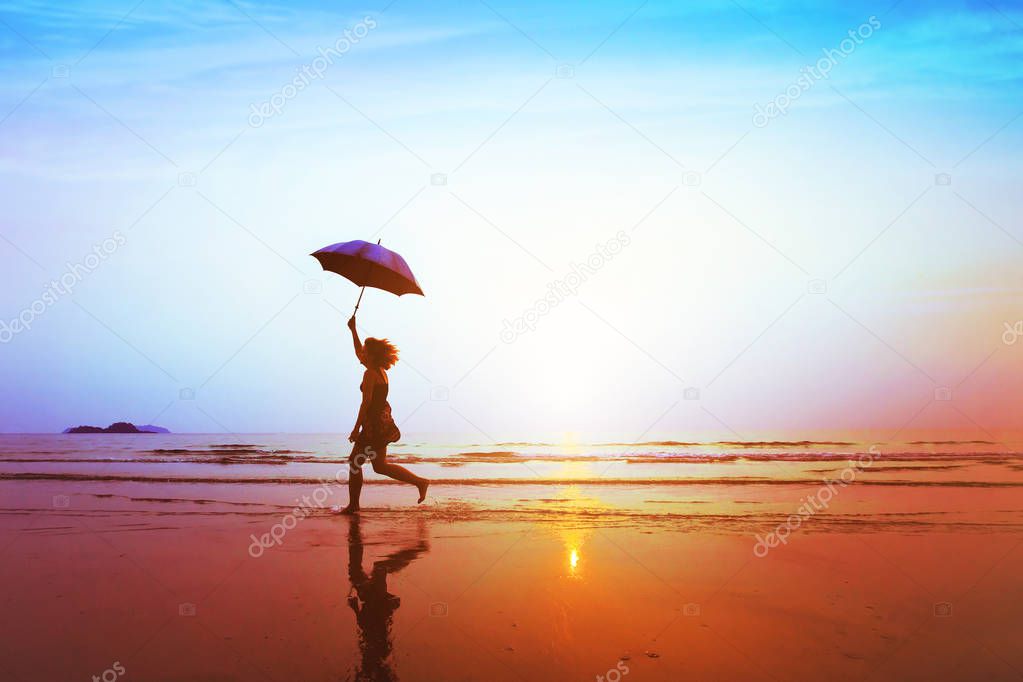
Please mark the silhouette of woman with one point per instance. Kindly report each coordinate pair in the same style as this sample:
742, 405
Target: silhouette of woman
374, 427
373, 605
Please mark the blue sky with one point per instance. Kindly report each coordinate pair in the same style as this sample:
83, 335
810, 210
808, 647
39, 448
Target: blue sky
554, 127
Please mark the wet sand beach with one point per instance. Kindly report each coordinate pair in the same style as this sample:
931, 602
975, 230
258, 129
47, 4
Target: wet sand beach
643, 580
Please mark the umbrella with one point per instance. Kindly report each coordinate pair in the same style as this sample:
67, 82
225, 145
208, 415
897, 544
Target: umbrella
369, 265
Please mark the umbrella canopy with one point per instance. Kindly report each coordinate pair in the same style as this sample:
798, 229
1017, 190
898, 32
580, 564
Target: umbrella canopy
369, 265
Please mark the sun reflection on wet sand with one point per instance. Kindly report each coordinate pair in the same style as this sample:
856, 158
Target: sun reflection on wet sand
573, 540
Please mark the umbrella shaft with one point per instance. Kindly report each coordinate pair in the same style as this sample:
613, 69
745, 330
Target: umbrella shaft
361, 292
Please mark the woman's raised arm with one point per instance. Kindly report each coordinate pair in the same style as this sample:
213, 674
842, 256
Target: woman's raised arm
355, 338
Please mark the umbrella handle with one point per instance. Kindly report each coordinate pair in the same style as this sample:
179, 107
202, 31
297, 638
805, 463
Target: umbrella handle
361, 292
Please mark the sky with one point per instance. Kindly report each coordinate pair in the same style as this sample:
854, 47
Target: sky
633, 221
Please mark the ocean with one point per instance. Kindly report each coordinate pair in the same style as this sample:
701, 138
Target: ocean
727, 484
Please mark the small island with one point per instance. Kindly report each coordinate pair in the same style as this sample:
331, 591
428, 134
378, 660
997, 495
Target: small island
117, 427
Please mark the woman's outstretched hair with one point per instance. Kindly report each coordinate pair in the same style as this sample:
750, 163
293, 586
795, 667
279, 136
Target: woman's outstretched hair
380, 353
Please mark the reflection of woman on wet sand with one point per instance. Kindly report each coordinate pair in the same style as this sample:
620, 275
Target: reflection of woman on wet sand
374, 427
374, 606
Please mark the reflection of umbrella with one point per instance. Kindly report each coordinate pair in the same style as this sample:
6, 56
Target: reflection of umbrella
369, 265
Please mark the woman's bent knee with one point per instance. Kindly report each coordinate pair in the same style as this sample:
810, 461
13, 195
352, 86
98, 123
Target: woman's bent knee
361, 454
371, 453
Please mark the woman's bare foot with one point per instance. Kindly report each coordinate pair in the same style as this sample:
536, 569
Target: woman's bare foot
422, 490
350, 510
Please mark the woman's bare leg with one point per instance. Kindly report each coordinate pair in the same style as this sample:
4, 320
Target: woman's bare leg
355, 462
354, 490
398, 473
